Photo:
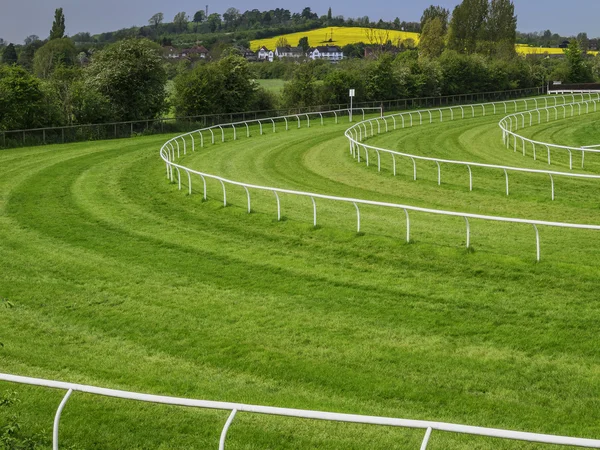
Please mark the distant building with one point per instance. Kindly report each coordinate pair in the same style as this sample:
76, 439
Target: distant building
249, 55
264, 54
199, 50
170, 52
289, 52
328, 52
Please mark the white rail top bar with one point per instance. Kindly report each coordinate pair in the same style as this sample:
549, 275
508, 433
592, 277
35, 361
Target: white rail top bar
389, 205
307, 414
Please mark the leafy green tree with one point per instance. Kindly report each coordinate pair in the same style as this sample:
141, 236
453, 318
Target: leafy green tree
303, 42
58, 26
301, 90
199, 17
31, 39
27, 54
381, 80
10, 55
156, 20
337, 84
501, 28
181, 21
214, 22
467, 26
329, 16
579, 72
89, 105
55, 53
131, 75
432, 40
21, 99
61, 83
231, 16
433, 12
222, 87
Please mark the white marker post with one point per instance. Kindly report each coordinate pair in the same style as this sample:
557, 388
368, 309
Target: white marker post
352, 92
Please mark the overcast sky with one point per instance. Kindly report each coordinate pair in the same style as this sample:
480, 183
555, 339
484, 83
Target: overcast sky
21, 18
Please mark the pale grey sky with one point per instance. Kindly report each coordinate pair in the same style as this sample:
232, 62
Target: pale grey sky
25, 17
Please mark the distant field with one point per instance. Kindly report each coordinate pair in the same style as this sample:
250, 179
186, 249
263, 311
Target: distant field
351, 35
527, 50
338, 35
275, 86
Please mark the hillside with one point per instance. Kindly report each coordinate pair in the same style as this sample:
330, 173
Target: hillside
351, 35
338, 36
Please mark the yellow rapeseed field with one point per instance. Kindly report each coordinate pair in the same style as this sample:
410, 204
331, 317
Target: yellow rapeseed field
526, 50
351, 35
338, 36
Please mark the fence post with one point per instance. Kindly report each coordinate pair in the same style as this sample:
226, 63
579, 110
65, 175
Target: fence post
57, 419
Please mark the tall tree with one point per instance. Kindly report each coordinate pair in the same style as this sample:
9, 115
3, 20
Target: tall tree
132, 76
31, 39
282, 42
58, 26
431, 42
467, 26
54, 54
20, 99
10, 55
329, 15
579, 72
436, 11
156, 19
230, 17
303, 42
501, 28
199, 17
214, 22
584, 41
181, 20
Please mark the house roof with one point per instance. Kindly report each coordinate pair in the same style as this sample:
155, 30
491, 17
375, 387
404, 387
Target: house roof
289, 49
199, 49
326, 49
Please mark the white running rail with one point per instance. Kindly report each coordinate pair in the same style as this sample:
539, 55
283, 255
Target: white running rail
168, 155
512, 121
235, 408
359, 132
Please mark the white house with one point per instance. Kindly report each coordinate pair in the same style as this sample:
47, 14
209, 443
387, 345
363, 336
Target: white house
264, 54
329, 52
289, 52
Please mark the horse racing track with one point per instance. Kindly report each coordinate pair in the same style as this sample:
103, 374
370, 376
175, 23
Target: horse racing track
113, 275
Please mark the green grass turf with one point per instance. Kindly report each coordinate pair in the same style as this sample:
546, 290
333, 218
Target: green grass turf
120, 280
275, 86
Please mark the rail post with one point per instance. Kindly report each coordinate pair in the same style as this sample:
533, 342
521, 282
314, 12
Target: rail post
225, 429
57, 419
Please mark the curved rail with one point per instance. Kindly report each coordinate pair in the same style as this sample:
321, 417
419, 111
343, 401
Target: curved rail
168, 155
356, 137
507, 123
235, 408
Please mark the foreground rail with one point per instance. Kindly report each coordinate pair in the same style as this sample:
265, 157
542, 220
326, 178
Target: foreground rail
235, 408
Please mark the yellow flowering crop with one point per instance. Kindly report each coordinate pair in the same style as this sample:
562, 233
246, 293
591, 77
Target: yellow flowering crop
339, 36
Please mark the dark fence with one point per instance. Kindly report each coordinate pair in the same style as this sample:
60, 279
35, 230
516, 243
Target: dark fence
93, 132
573, 86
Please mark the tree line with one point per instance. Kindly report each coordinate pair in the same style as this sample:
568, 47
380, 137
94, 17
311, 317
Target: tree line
53, 83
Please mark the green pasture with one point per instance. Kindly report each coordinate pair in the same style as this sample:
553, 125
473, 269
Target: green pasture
118, 279
272, 85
